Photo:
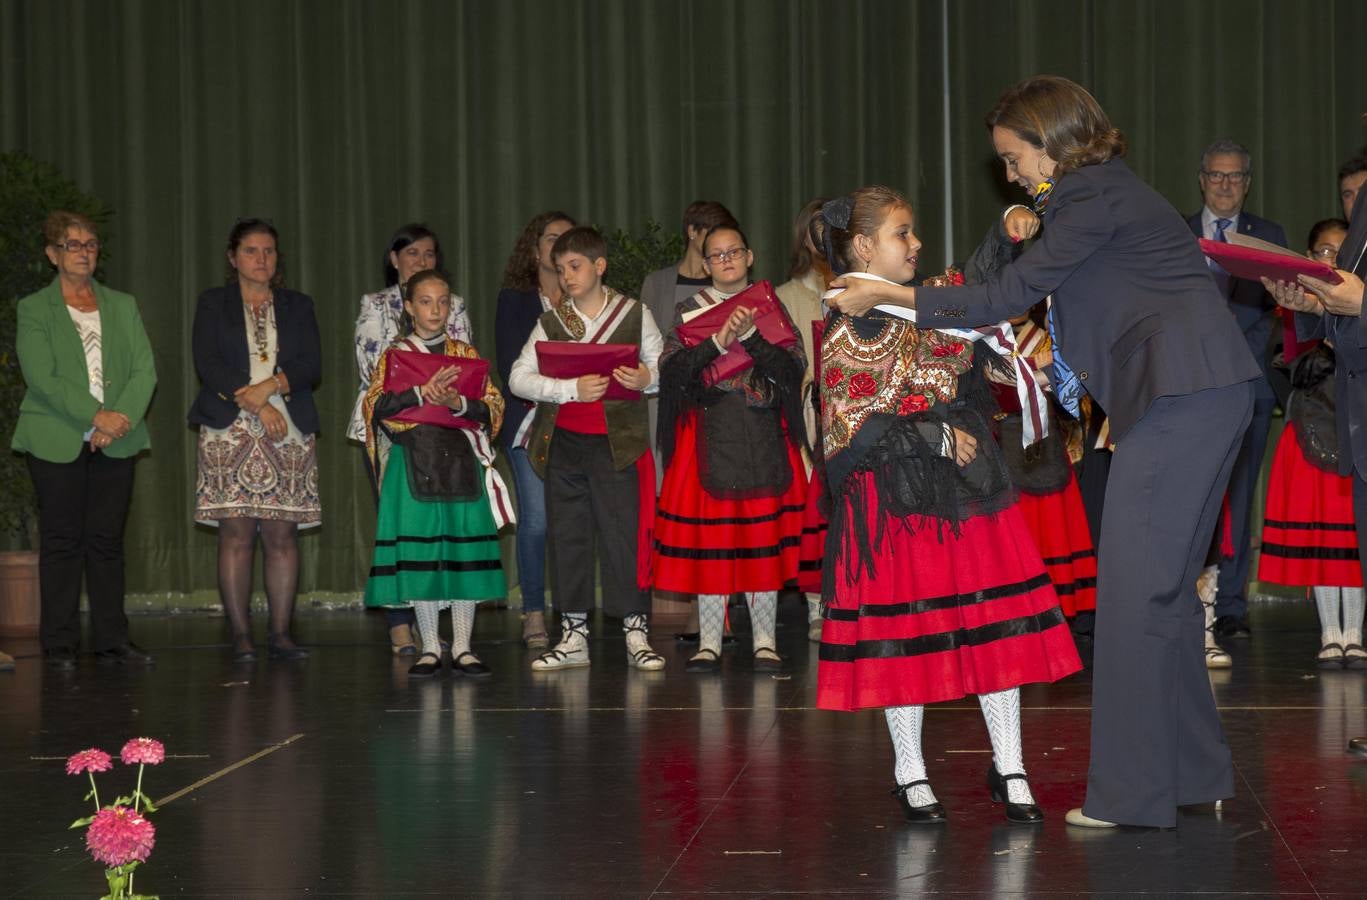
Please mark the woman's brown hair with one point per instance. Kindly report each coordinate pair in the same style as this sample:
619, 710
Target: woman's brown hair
1059, 117
520, 272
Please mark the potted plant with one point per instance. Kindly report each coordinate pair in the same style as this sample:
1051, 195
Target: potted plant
29, 190
631, 257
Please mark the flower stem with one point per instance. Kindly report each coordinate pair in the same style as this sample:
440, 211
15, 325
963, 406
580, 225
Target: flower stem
130, 874
137, 794
94, 790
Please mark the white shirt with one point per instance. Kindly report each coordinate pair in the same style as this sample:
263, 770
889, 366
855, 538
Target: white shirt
1208, 218
526, 380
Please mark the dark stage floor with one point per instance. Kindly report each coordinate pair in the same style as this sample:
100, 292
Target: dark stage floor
604, 782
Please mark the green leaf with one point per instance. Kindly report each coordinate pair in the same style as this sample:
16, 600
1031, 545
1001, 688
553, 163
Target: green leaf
81, 823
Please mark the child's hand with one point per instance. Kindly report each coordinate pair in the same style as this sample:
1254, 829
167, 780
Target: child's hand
1021, 224
737, 324
436, 388
591, 388
637, 379
965, 447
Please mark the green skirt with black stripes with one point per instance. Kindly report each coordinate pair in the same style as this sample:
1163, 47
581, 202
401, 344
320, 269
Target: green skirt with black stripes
431, 549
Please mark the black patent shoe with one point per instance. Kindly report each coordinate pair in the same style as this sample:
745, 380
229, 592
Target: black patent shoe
1357, 746
61, 659
427, 666
128, 654
1017, 813
930, 814
469, 665
243, 650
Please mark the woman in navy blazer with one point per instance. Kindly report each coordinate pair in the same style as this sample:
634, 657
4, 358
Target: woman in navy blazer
1139, 325
257, 352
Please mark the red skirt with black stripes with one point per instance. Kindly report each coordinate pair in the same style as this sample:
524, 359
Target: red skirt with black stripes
1058, 522
706, 545
943, 616
1309, 535
814, 526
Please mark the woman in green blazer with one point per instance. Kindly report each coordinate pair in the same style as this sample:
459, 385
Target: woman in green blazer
88, 368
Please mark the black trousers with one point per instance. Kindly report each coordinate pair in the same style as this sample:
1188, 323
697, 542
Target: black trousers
591, 506
82, 509
1157, 742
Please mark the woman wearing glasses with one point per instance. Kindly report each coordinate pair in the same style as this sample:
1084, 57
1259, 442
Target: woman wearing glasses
257, 353
730, 510
88, 368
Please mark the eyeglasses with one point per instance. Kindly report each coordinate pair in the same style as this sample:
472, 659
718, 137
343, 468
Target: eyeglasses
1234, 178
1324, 252
722, 256
76, 246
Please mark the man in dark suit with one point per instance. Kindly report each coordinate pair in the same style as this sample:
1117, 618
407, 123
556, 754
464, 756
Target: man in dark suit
1225, 180
1335, 312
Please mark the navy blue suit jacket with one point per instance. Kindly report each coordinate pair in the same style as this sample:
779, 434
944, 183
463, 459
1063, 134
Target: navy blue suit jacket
220, 352
514, 319
1136, 311
1250, 304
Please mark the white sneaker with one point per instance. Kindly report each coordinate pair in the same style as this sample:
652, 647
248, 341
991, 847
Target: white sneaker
571, 653
1217, 658
1077, 817
639, 652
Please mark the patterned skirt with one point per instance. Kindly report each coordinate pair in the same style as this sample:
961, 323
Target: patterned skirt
942, 617
1058, 522
432, 549
705, 545
1309, 535
243, 474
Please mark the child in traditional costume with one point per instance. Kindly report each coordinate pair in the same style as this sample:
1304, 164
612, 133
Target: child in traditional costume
441, 500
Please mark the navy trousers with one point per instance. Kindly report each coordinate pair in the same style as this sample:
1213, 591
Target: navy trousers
1156, 736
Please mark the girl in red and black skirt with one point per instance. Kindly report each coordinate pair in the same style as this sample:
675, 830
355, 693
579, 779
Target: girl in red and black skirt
729, 516
934, 588
1309, 532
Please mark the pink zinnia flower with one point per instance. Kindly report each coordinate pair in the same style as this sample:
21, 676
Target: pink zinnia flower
119, 836
91, 760
142, 751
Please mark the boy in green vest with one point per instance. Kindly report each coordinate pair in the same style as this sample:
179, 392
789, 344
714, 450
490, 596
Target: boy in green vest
594, 455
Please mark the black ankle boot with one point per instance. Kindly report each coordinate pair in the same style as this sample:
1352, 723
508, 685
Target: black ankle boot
930, 814
1019, 813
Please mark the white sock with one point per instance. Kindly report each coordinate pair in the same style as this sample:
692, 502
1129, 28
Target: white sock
574, 630
427, 612
813, 608
462, 625
763, 611
904, 724
1002, 712
1327, 603
1353, 603
711, 621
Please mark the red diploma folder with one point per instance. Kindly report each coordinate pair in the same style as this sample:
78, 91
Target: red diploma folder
408, 369
563, 359
1243, 259
769, 319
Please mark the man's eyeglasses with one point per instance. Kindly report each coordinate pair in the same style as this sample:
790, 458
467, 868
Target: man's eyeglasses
722, 256
77, 246
1234, 178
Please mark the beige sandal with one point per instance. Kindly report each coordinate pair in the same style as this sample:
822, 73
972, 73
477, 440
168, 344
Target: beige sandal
401, 641
534, 631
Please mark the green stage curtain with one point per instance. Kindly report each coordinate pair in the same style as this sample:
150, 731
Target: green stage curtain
341, 119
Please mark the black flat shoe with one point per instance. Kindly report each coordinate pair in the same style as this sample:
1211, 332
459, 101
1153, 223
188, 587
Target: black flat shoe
62, 660
766, 663
424, 669
1232, 627
1017, 813
702, 664
930, 814
279, 651
125, 655
472, 669
243, 651
1357, 746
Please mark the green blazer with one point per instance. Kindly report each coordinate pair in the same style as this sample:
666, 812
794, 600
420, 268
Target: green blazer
58, 407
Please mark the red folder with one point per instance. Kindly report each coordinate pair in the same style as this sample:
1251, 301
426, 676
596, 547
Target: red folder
408, 369
1252, 263
565, 359
770, 319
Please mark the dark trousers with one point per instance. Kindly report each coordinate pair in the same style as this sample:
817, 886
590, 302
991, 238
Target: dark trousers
1156, 736
1232, 599
82, 508
591, 506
